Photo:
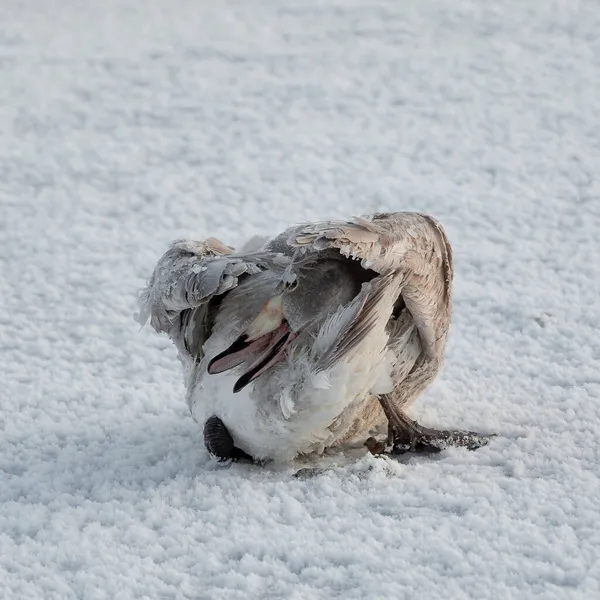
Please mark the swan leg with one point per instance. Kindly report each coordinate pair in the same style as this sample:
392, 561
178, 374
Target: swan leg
219, 443
406, 435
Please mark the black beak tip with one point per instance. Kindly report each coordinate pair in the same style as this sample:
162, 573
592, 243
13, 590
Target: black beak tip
240, 384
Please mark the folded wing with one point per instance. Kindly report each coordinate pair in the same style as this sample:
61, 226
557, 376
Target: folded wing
186, 278
411, 245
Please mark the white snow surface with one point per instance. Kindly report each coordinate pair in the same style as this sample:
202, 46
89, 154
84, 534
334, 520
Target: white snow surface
125, 125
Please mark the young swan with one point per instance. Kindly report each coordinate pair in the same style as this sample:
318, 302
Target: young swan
312, 340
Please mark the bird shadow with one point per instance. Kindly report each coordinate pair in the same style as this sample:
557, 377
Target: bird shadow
104, 462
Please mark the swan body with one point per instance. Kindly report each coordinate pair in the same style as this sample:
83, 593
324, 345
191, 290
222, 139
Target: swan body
309, 340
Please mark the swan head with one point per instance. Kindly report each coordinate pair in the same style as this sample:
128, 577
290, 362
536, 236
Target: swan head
301, 304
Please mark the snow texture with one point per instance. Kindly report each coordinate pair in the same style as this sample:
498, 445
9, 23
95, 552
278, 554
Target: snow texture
125, 125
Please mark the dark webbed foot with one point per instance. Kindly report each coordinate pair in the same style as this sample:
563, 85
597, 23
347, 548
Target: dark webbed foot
406, 435
427, 440
219, 443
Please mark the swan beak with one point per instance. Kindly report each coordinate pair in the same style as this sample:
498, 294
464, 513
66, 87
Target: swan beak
261, 346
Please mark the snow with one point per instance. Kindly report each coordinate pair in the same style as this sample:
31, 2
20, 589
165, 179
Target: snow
125, 125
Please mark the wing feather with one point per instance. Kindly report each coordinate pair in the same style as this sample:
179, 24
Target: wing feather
413, 243
375, 304
185, 279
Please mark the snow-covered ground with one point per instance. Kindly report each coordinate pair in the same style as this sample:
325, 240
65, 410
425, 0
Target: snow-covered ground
125, 125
